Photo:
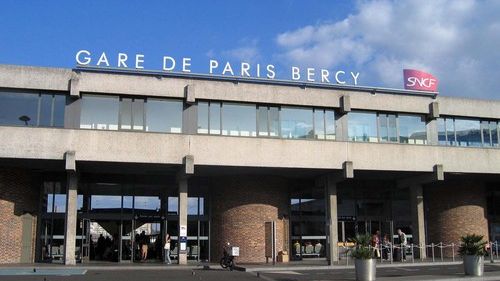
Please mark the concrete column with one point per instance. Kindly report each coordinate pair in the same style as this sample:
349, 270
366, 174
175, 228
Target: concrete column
341, 130
70, 219
417, 213
183, 218
332, 221
432, 132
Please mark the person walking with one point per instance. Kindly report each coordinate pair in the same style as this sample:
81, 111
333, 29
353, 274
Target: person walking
403, 242
167, 249
376, 243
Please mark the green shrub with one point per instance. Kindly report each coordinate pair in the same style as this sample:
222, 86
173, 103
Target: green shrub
362, 248
472, 245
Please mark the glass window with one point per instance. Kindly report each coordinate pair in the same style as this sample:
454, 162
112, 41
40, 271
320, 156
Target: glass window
214, 117
494, 128
468, 132
441, 131
192, 205
450, 131
485, 130
45, 115
105, 202
387, 127
58, 111
384, 136
126, 114
147, 203
202, 117
274, 121
173, 205
392, 128
296, 123
319, 124
412, 130
18, 108
262, 121
138, 114
164, 116
239, 120
362, 126
99, 112
202, 206
330, 124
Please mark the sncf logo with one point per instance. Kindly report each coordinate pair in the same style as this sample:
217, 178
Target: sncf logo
419, 80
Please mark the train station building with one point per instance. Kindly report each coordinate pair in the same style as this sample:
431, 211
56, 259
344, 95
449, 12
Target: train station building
288, 166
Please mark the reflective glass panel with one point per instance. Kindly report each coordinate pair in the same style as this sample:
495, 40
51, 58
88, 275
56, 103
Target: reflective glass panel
239, 120
126, 114
296, 123
105, 202
214, 110
274, 122
45, 111
412, 130
99, 112
319, 124
468, 132
173, 205
330, 124
384, 136
20, 109
58, 112
192, 205
485, 130
441, 131
147, 203
202, 117
262, 121
494, 132
391, 128
362, 126
138, 114
165, 116
450, 131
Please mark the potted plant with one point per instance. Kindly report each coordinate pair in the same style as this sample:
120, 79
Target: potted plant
364, 263
472, 250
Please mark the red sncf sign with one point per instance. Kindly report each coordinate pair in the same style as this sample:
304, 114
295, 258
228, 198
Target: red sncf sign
419, 80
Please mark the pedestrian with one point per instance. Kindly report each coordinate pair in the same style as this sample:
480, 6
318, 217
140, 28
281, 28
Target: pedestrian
403, 242
167, 249
386, 253
144, 245
376, 244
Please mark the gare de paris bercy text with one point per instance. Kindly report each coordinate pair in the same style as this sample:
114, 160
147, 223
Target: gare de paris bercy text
243, 69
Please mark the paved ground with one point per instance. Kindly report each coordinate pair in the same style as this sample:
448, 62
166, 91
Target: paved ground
492, 272
179, 273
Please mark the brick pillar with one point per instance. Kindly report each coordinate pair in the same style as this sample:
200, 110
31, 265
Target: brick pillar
240, 206
455, 208
17, 197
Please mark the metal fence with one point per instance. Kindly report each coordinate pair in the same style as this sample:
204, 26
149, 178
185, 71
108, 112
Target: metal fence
439, 252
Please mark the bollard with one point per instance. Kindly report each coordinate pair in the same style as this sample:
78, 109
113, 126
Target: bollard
496, 248
412, 254
432, 245
392, 253
381, 251
453, 251
491, 253
441, 250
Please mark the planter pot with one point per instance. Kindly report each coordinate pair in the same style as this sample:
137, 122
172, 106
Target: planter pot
474, 265
366, 270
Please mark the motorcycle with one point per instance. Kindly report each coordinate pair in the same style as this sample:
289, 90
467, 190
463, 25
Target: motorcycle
227, 261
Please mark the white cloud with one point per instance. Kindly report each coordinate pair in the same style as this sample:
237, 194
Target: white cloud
247, 51
457, 41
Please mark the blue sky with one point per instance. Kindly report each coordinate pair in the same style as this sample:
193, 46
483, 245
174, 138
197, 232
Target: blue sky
457, 41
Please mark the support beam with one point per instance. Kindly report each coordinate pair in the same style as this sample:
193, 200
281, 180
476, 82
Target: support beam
185, 172
417, 213
70, 218
74, 85
331, 216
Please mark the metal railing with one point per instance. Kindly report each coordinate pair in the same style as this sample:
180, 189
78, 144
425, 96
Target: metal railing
439, 252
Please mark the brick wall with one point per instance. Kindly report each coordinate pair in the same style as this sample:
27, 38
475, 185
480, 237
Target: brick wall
17, 196
454, 209
240, 207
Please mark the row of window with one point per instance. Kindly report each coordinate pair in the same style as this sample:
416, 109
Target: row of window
237, 119
42, 109
467, 132
248, 120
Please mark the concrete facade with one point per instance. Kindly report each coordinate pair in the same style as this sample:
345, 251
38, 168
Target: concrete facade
250, 185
